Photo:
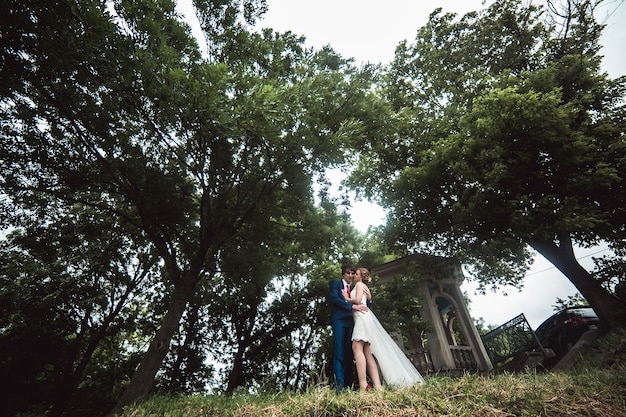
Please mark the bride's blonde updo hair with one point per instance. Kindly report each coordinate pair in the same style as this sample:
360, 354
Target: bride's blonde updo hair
365, 275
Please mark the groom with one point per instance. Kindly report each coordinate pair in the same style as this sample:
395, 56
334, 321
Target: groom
342, 322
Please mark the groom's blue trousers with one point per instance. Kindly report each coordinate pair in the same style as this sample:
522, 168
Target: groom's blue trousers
342, 352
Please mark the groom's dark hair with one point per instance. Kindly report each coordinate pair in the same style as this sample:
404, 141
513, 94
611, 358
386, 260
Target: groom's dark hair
347, 267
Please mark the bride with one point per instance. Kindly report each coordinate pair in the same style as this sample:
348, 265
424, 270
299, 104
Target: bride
369, 340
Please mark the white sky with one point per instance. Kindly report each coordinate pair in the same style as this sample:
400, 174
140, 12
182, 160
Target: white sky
369, 31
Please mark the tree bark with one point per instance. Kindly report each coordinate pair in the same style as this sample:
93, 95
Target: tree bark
609, 308
143, 378
234, 378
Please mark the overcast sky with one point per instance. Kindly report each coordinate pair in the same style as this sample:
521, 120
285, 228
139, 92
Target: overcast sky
369, 31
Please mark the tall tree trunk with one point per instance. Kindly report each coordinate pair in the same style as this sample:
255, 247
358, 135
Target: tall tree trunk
234, 378
143, 379
610, 310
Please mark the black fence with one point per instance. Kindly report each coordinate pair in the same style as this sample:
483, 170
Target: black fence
513, 337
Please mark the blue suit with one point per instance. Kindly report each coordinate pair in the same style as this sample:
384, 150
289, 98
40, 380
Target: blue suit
342, 323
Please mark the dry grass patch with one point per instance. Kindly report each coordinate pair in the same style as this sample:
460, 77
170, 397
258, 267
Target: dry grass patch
596, 387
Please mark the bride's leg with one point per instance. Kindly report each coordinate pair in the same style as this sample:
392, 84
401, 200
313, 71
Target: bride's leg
372, 368
359, 358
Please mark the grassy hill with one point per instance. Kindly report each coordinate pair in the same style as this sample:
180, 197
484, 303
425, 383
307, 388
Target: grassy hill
596, 386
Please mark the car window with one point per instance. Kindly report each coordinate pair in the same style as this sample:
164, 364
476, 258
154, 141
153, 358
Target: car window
582, 312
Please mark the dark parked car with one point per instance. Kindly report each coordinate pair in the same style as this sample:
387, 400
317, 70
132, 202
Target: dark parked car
561, 331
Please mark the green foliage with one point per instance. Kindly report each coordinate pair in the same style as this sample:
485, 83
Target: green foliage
397, 304
572, 301
69, 293
508, 139
201, 167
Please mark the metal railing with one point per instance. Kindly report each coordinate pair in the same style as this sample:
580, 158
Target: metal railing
513, 337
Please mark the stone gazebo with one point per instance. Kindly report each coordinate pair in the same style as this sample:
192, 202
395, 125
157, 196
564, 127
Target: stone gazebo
453, 344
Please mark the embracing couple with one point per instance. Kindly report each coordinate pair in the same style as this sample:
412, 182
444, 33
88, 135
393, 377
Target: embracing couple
359, 336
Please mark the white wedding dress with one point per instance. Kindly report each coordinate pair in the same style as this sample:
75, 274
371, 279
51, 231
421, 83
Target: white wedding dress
396, 368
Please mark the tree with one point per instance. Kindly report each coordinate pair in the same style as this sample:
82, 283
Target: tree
572, 301
507, 137
68, 293
265, 299
111, 105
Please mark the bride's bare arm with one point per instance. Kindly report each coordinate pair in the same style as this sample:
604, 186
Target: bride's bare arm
367, 292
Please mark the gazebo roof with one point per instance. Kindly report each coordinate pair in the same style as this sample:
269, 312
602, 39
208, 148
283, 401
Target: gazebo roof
424, 267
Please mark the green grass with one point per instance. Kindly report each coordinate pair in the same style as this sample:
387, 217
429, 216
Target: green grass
596, 386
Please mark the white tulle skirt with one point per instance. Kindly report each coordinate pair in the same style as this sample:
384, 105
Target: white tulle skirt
396, 368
